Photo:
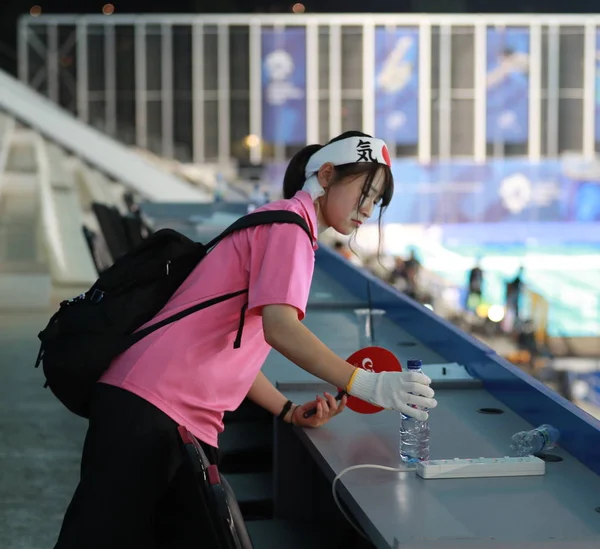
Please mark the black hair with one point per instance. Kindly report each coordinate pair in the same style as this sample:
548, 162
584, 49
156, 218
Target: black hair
295, 176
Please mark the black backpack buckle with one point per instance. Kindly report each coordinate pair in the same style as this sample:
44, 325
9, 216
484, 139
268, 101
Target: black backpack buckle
96, 296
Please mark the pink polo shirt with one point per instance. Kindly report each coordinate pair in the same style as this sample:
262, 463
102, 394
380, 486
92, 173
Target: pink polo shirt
190, 369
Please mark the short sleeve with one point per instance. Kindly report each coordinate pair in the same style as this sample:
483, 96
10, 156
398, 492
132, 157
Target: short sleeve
281, 266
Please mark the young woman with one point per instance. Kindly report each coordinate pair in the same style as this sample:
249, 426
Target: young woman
134, 490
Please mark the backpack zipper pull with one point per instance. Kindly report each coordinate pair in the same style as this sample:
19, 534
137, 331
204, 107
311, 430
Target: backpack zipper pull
168, 263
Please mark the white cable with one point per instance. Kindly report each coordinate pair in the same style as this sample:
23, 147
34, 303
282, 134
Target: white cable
364, 466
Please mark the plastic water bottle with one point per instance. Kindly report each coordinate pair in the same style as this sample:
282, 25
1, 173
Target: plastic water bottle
414, 434
540, 439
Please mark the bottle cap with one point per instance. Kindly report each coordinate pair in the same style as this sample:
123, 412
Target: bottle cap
414, 364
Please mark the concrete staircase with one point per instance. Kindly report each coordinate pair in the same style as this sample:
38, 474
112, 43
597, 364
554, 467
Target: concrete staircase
25, 281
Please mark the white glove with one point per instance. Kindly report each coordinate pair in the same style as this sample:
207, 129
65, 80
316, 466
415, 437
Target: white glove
392, 390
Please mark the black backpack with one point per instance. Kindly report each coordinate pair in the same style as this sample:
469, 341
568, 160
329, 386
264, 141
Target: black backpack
89, 331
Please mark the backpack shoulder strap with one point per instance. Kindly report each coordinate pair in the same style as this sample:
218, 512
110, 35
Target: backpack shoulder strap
250, 220
267, 217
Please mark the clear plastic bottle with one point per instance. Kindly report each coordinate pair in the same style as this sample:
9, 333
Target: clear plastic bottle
540, 439
414, 434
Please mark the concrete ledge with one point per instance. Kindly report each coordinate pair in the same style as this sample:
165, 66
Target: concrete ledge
25, 291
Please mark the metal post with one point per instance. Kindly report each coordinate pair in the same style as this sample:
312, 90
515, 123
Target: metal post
110, 80
278, 146
335, 80
445, 98
223, 82
589, 91
312, 83
23, 51
52, 62
424, 143
166, 74
480, 129
387, 135
198, 91
141, 87
535, 93
255, 90
83, 107
553, 90
368, 76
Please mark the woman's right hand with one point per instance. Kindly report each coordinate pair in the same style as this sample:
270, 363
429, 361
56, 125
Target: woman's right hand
395, 391
286, 334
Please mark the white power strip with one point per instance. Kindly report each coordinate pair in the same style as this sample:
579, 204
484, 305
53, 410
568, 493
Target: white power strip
481, 467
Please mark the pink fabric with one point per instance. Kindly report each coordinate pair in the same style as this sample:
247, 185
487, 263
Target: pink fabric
189, 369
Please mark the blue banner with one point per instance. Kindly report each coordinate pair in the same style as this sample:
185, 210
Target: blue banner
499, 191
397, 85
507, 81
597, 86
284, 86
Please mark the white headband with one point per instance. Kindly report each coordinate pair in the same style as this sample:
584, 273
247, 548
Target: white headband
346, 151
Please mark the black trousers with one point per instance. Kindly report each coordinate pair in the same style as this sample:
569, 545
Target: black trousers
136, 488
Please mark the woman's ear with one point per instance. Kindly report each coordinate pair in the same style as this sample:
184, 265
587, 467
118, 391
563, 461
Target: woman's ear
325, 174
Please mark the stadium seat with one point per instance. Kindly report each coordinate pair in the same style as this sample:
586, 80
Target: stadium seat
231, 528
247, 446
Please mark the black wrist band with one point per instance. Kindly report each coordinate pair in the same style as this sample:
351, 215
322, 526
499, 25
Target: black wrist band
285, 410
293, 412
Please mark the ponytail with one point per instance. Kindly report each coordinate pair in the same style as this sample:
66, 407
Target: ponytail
294, 178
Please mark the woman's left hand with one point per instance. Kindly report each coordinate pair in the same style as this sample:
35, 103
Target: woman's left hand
327, 408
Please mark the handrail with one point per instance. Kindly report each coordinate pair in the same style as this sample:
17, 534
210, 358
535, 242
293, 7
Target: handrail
106, 154
70, 260
5, 141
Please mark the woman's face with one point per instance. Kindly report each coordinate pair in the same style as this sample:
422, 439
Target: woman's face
341, 208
